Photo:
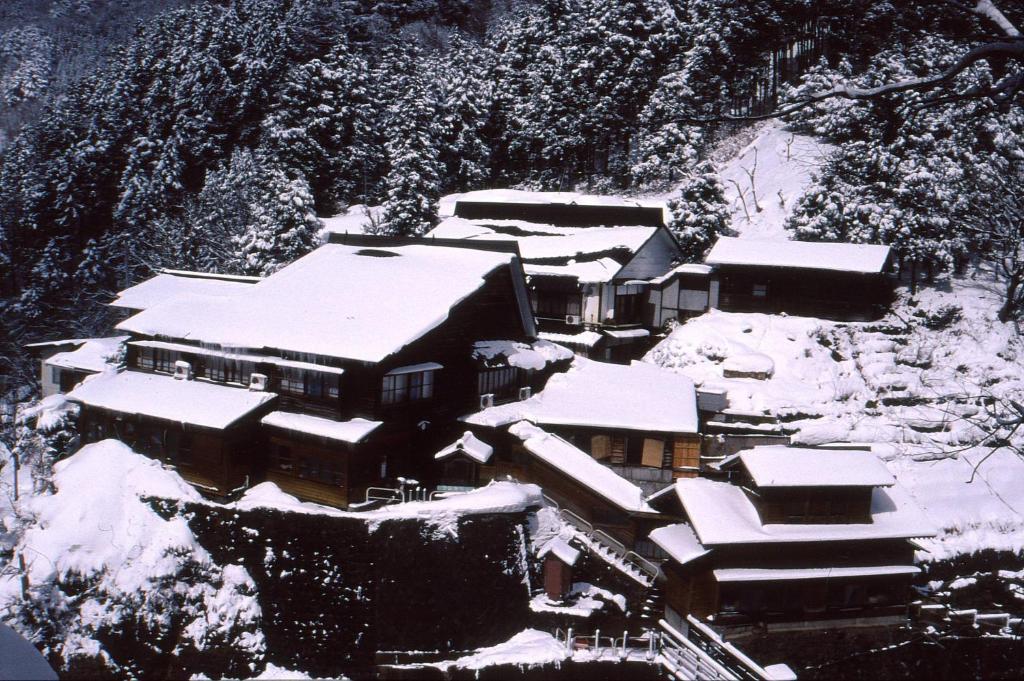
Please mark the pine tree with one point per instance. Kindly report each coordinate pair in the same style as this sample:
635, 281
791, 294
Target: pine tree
700, 213
274, 221
413, 181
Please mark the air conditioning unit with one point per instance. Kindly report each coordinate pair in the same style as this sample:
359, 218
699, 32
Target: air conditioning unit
182, 371
524, 393
573, 319
258, 382
487, 401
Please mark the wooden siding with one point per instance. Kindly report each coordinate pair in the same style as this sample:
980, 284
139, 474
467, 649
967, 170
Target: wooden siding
561, 214
653, 259
819, 293
821, 505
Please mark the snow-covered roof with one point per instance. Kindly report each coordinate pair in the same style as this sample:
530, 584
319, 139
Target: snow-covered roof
588, 272
679, 542
638, 397
341, 301
581, 467
195, 402
790, 574
471, 446
561, 550
686, 268
57, 343
781, 466
447, 204
546, 242
171, 284
92, 355
351, 431
585, 338
627, 333
536, 355
721, 513
841, 257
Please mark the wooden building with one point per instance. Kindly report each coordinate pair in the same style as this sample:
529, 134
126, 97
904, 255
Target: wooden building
561, 209
685, 291
795, 537
581, 485
63, 364
832, 280
353, 363
641, 421
589, 264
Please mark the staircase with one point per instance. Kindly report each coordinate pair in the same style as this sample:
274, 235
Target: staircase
702, 654
610, 550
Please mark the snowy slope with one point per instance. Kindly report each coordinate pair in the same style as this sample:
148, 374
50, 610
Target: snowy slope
781, 163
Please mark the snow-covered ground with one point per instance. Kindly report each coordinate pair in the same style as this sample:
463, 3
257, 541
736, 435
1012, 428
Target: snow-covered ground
764, 180
908, 385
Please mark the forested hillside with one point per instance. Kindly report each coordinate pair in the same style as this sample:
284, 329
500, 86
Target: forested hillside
215, 135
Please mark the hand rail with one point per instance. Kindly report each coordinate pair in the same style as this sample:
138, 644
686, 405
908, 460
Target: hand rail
700, 660
577, 521
611, 542
642, 563
745, 668
395, 495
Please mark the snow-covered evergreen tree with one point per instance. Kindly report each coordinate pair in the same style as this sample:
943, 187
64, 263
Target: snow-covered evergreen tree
413, 182
274, 220
700, 214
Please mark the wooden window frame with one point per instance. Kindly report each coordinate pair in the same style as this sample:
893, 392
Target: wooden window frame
402, 388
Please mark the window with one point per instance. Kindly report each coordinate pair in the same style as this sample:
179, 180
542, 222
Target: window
214, 370
407, 387
145, 358
164, 360
309, 383
55, 375
760, 290
556, 304
282, 457
501, 381
628, 307
293, 381
327, 471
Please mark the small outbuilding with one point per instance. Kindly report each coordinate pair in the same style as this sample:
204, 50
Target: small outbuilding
830, 280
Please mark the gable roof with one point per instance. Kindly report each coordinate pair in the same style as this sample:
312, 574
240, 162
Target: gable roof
815, 255
637, 397
577, 465
169, 284
721, 513
781, 466
93, 355
471, 446
346, 301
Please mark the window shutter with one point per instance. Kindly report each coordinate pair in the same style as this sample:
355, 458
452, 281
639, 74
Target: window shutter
600, 447
654, 452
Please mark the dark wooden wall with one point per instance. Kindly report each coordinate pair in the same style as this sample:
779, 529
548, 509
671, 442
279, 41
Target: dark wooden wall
818, 293
561, 214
